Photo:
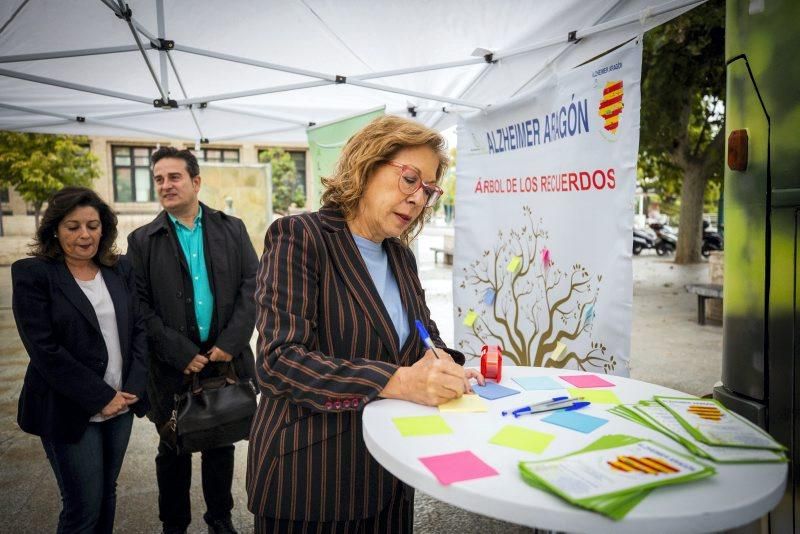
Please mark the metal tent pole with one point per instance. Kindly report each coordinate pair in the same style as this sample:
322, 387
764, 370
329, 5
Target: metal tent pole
255, 62
417, 94
75, 86
258, 114
162, 54
13, 15
185, 95
254, 92
68, 53
126, 14
259, 132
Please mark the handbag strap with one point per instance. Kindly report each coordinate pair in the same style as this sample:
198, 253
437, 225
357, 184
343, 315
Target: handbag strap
230, 377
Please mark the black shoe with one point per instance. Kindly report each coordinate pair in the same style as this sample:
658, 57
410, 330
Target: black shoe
166, 529
221, 526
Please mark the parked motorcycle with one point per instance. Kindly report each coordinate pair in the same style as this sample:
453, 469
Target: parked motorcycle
666, 238
643, 238
712, 240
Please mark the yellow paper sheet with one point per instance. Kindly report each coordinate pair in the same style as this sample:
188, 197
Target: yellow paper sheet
465, 403
424, 425
469, 320
597, 396
514, 264
521, 438
559, 352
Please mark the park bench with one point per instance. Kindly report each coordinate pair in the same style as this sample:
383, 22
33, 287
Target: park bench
703, 292
446, 252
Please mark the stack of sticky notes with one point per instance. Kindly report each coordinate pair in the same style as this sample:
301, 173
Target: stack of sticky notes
705, 428
613, 474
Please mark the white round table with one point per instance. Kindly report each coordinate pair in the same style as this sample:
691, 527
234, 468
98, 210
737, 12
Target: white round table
736, 495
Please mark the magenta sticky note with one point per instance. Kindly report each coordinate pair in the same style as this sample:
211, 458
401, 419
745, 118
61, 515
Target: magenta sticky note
457, 466
587, 381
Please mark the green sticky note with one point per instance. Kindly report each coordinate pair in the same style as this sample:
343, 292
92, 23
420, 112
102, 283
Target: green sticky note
514, 264
524, 439
423, 425
469, 320
597, 396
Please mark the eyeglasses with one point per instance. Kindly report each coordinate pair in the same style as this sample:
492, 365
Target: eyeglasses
410, 182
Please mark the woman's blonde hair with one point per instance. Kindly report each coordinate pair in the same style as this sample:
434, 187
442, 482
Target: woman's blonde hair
375, 144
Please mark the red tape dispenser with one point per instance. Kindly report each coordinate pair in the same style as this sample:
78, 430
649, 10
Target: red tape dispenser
492, 362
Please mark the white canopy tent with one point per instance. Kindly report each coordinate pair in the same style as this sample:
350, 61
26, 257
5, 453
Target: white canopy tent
265, 70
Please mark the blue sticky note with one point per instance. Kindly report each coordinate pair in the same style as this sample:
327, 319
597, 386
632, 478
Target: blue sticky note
488, 297
538, 382
575, 421
493, 390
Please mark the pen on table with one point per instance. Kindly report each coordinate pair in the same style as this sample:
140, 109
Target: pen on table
540, 409
549, 402
426, 337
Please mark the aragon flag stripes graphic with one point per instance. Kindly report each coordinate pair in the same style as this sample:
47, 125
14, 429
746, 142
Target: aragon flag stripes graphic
611, 105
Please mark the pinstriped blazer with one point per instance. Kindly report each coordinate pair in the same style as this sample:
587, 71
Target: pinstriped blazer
326, 347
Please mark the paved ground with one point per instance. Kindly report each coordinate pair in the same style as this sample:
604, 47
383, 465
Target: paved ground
668, 348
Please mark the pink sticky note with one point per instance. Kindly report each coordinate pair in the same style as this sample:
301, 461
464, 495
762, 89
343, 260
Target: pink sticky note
587, 381
457, 466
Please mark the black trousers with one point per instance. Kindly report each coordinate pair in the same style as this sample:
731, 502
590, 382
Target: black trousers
174, 474
397, 517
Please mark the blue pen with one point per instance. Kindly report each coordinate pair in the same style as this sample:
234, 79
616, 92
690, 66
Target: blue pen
426, 337
573, 406
548, 402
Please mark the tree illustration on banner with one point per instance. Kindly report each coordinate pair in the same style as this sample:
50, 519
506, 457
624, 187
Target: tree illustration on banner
526, 303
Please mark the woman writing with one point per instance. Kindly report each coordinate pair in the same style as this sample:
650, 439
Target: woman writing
337, 295
76, 313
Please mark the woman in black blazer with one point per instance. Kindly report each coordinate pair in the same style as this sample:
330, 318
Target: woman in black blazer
75, 308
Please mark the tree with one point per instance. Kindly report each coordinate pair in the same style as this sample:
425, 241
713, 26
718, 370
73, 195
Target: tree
38, 165
525, 302
284, 182
682, 118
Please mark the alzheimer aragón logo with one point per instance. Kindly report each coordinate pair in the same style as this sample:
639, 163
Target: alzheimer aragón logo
610, 108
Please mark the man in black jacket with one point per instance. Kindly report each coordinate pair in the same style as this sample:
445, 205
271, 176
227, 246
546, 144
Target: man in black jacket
195, 270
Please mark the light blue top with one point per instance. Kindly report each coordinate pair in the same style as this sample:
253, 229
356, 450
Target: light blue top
192, 245
378, 266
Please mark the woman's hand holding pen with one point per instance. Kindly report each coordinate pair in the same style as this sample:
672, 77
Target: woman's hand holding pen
430, 356
431, 380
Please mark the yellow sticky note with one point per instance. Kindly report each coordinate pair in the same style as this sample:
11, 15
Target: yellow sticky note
559, 352
465, 403
524, 439
514, 264
424, 425
469, 320
597, 396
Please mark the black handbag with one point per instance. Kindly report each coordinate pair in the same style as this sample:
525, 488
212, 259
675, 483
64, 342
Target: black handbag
214, 412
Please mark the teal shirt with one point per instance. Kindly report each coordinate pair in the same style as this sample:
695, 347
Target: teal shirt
192, 244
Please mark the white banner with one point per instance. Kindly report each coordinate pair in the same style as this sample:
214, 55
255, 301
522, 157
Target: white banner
544, 198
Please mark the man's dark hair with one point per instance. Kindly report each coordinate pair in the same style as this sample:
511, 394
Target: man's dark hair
171, 152
61, 203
